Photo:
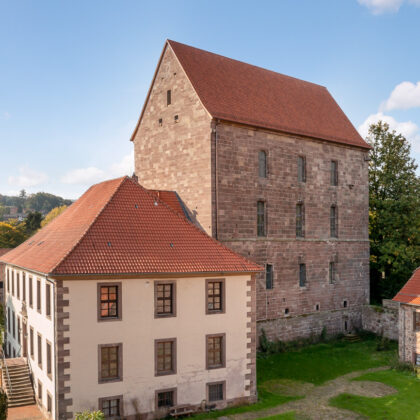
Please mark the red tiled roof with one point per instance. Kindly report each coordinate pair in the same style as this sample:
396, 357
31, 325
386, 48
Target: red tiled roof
171, 198
410, 293
118, 227
4, 250
238, 92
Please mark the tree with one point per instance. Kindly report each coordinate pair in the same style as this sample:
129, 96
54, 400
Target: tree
33, 222
52, 215
3, 405
22, 194
12, 233
44, 202
394, 212
90, 415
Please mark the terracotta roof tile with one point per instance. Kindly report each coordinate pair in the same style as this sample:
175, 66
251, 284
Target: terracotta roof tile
235, 91
118, 227
410, 293
172, 199
4, 250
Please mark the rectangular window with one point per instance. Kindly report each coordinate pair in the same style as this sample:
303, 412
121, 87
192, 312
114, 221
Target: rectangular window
165, 304
49, 359
301, 169
49, 403
8, 281
332, 272
40, 351
40, 392
31, 342
31, 292
168, 97
261, 218
109, 301
9, 320
38, 295
110, 362
165, 357
333, 222
166, 398
302, 275
13, 283
111, 407
24, 287
215, 290
13, 325
268, 276
334, 173
48, 299
18, 330
216, 391
215, 346
300, 215
416, 321
262, 164
18, 285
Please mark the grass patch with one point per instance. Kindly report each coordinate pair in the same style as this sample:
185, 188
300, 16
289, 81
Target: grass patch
319, 363
402, 405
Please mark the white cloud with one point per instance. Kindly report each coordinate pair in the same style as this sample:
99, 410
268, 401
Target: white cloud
124, 167
88, 175
27, 178
404, 96
408, 129
382, 6
377, 7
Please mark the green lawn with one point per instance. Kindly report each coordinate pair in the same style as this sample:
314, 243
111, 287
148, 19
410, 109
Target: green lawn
316, 364
322, 362
400, 406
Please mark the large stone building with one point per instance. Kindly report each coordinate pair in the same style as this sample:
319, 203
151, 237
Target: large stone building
121, 304
270, 166
409, 320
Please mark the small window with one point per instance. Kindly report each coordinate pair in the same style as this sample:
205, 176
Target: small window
160, 122
262, 164
301, 169
317, 307
49, 359
31, 292
40, 351
31, 342
334, 173
332, 272
300, 215
216, 391
333, 222
215, 296
302, 275
344, 303
109, 301
40, 392
110, 362
13, 283
176, 118
416, 321
111, 407
215, 345
8, 281
286, 311
165, 361
165, 299
268, 276
23, 287
18, 285
168, 97
48, 299
165, 398
261, 218
38, 295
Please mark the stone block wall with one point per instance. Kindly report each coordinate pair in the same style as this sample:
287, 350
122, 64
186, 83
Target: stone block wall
382, 320
409, 338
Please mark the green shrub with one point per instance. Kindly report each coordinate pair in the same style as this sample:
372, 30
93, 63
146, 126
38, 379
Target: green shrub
383, 344
90, 415
3, 405
401, 366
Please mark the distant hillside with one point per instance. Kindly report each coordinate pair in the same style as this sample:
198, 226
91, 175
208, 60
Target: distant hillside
41, 201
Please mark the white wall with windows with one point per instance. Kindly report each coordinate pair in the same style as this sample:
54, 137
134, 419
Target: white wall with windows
29, 310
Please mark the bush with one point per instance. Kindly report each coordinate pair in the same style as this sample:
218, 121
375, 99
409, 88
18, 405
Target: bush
383, 344
401, 366
90, 415
3, 405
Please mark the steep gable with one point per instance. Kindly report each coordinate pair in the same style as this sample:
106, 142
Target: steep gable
410, 293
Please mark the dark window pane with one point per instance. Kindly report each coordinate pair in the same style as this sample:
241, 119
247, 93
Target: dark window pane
261, 218
332, 272
299, 220
334, 173
333, 222
262, 164
269, 276
301, 169
302, 275
216, 392
109, 302
109, 362
164, 299
214, 296
166, 399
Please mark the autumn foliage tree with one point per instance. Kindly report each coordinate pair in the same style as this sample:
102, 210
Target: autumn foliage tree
394, 211
52, 215
12, 233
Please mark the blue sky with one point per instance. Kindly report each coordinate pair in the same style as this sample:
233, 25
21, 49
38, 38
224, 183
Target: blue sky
74, 75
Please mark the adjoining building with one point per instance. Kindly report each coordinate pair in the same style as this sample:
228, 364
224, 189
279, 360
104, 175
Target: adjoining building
121, 304
409, 320
270, 166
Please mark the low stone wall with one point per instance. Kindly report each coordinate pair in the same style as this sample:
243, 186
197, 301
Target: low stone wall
303, 326
382, 320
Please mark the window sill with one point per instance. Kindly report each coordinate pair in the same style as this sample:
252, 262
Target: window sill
221, 311
109, 319
172, 372
165, 316
105, 381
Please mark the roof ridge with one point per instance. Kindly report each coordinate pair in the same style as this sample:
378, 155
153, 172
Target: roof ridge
244, 62
193, 225
93, 221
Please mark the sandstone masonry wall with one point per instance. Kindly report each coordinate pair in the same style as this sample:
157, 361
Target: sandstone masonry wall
176, 155
382, 320
409, 339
